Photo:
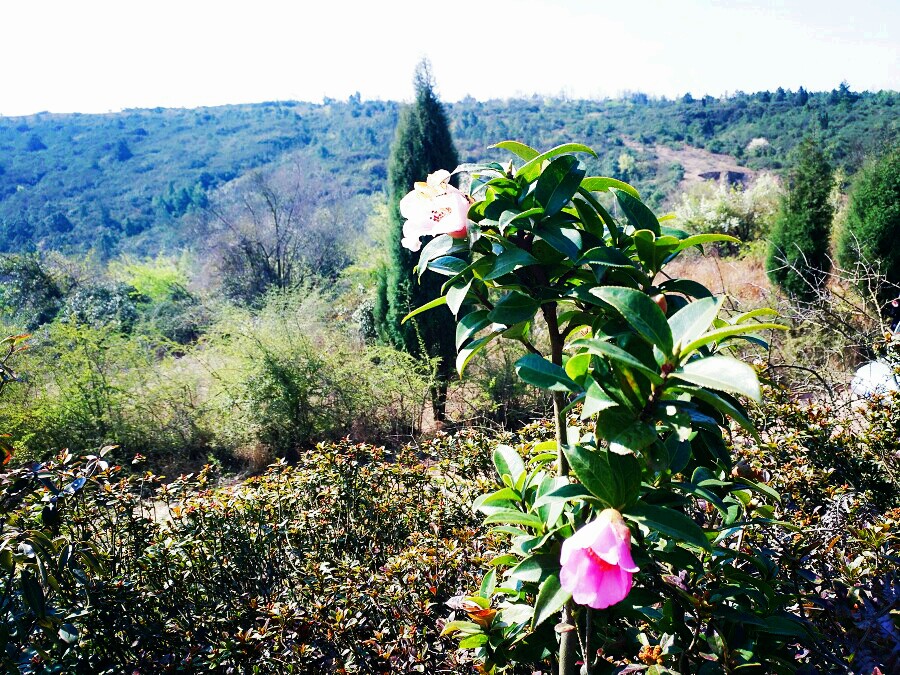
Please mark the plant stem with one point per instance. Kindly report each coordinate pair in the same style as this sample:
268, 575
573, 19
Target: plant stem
568, 641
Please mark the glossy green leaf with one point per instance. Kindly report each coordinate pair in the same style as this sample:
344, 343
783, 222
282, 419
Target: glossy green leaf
532, 168
668, 522
518, 149
641, 313
509, 462
698, 239
513, 308
638, 214
729, 331
470, 324
693, 319
437, 302
558, 183
595, 400
722, 373
473, 641
510, 260
515, 517
447, 266
456, 296
538, 371
615, 353
633, 439
466, 353
551, 599
535, 568
602, 184
613, 479
566, 240
510, 216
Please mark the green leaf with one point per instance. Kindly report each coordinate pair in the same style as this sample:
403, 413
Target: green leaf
595, 400
538, 371
613, 479
515, 517
638, 214
752, 314
466, 353
535, 568
668, 522
550, 600
722, 373
513, 308
447, 265
641, 313
473, 641
510, 260
605, 256
729, 331
693, 319
567, 493
456, 296
725, 407
697, 239
602, 184
441, 245
615, 353
633, 439
508, 462
566, 240
470, 324
437, 302
687, 287
518, 149
558, 183
532, 168
465, 627
510, 216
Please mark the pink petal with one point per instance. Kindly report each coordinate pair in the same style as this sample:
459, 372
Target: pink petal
614, 586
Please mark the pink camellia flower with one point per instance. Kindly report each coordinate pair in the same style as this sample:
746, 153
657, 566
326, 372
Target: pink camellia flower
433, 207
596, 562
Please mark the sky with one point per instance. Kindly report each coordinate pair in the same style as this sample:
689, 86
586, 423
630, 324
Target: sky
99, 55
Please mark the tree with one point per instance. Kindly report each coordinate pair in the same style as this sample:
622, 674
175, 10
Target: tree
422, 145
873, 220
278, 232
798, 251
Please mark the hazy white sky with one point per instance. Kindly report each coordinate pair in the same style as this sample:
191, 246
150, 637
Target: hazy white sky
99, 55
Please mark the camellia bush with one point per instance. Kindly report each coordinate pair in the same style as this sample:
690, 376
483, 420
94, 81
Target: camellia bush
634, 544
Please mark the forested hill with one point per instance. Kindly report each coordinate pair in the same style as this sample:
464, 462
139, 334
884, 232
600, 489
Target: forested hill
123, 181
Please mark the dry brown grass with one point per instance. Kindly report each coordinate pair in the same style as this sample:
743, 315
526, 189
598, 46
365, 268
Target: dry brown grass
743, 279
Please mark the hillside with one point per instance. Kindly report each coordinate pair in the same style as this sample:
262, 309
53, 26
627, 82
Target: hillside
123, 181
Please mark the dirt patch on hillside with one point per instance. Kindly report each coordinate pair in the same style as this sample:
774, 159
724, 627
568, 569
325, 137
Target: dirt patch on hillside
699, 164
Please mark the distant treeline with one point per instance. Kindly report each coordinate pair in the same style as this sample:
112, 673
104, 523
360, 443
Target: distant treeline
125, 181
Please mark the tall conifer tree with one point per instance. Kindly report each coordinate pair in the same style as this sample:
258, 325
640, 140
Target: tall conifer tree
422, 145
798, 251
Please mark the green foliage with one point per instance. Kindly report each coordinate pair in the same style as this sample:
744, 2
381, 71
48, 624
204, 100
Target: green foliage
29, 290
798, 259
873, 222
180, 157
652, 368
720, 208
338, 564
421, 146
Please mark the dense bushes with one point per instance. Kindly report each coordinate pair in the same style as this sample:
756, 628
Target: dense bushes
873, 221
274, 380
341, 563
798, 260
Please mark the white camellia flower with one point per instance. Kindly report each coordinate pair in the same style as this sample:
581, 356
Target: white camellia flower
433, 207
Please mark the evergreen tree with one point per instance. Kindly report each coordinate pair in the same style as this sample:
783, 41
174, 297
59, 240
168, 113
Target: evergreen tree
422, 145
798, 251
873, 221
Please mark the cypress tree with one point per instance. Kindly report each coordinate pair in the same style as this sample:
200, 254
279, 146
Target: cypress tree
422, 145
872, 232
798, 251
